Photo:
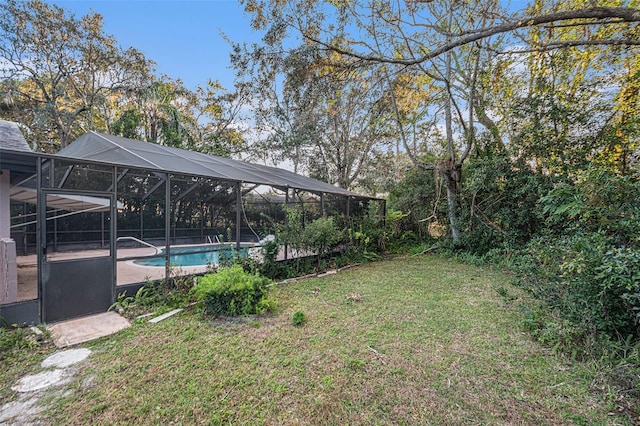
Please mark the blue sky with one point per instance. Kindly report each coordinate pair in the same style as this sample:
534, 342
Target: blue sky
182, 37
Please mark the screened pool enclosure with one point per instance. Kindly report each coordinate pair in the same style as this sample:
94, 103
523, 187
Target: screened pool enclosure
106, 214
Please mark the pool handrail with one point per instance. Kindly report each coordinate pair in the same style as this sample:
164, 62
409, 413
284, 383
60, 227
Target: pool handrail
210, 241
141, 242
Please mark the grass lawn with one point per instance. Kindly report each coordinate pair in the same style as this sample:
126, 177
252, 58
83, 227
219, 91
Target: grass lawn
421, 340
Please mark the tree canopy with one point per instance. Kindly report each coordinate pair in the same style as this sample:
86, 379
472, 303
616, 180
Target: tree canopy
57, 68
550, 83
61, 76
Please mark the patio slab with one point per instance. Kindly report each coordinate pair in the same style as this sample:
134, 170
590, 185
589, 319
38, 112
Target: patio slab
80, 330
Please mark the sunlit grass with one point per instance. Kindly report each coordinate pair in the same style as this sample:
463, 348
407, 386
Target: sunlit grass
420, 340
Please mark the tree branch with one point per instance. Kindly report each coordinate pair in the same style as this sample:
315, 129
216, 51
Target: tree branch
562, 44
620, 15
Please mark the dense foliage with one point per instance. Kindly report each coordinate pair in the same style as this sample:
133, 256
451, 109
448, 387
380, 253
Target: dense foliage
499, 201
571, 241
585, 265
231, 291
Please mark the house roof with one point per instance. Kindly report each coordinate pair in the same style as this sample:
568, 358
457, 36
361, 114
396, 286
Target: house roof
11, 137
101, 147
15, 153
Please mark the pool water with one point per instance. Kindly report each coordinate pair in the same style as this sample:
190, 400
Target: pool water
192, 256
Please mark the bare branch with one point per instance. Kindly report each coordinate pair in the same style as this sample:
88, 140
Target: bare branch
593, 15
575, 43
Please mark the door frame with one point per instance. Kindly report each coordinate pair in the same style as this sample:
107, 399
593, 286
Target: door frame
61, 292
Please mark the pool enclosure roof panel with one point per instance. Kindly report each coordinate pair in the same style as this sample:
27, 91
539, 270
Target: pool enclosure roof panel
68, 202
101, 147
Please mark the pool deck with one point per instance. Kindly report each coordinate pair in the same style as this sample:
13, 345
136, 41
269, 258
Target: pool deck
127, 271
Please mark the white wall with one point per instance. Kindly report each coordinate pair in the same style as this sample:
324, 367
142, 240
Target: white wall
8, 266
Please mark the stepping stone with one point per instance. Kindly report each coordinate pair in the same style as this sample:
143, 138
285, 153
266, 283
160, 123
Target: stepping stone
66, 358
42, 380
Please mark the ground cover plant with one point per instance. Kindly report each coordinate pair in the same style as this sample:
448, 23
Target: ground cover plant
415, 340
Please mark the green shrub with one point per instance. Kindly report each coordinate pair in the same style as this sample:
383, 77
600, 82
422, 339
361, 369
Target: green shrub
591, 290
232, 291
155, 296
321, 236
417, 195
13, 339
266, 305
292, 233
270, 266
299, 318
375, 233
584, 266
498, 203
598, 201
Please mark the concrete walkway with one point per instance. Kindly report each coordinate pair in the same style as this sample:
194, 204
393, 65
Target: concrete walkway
80, 330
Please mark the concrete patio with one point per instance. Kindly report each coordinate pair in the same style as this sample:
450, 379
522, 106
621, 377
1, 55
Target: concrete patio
79, 330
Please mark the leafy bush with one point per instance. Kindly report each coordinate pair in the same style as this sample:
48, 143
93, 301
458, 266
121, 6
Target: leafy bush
598, 201
293, 231
270, 266
591, 290
232, 291
321, 236
366, 234
299, 318
419, 196
584, 267
162, 295
375, 233
500, 199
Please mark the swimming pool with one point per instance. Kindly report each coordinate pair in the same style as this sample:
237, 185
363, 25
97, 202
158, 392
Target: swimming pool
193, 256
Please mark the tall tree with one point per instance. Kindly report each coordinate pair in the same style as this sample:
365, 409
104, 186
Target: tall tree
330, 119
219, 115
446, 42
348, 115
57, 68
167, 113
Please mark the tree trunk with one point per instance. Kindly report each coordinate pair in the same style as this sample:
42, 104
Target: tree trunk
450, 173
452, 200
